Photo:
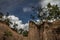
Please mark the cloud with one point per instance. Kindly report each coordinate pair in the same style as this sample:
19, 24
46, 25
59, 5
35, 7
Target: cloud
15, 20
27, 9
26, 27
45, 2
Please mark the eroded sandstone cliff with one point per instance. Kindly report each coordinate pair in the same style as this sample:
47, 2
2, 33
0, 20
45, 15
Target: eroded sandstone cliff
43, 31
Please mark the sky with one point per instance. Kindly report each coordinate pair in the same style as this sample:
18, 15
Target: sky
22, 8
19, 8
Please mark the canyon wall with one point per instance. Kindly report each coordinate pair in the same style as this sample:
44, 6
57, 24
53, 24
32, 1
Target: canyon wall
43, 31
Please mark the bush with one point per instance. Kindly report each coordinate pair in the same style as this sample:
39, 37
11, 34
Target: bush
15, 27
1, 14
7, 33
25, 33
21, 31
7, 21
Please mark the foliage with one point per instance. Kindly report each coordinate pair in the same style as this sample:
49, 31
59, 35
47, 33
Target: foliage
15, 27
7, 33
54, 11
21, 31
49, 5
49, 12
25, 33
32, 17
1, 14
8, 22
7, 14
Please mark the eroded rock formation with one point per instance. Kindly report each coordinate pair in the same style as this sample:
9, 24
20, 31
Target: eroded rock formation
44, 31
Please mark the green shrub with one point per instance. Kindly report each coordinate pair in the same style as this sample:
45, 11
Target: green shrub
15, 27
7, 33
21, 31
7, 21
25, 33
1, 14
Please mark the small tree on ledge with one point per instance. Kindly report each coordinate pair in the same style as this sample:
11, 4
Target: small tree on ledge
49, 12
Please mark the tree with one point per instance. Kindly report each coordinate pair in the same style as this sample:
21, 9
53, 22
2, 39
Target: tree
7, 14
54, 11
21, 31
25, 33
1, 14
15, 27
49, 12
49, 5
32, 17
8, 22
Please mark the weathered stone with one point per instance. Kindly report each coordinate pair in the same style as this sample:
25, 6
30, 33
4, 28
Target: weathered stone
44, 31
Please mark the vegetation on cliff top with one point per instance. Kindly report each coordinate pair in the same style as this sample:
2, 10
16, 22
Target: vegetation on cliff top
50, 12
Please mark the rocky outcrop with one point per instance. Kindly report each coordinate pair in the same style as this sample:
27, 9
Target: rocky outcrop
43, 31
6, 33
50, 31
33, 31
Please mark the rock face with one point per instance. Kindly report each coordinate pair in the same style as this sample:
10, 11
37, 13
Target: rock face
51, 31
44, 31
33, 31
8, 34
